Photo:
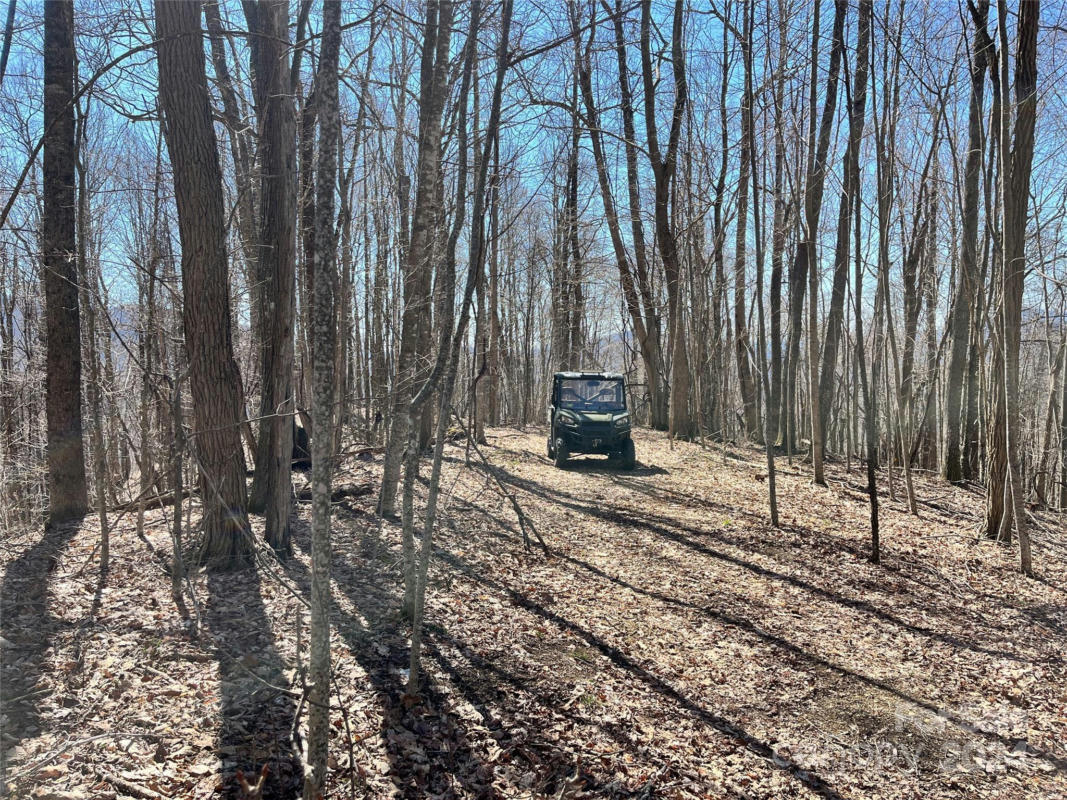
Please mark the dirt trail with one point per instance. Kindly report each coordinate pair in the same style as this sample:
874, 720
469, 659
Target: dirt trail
671, 644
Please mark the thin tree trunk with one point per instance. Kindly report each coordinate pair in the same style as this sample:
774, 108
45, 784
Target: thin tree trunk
100, 471
323, 377
849, 200
742, 345
657, 378
768, 440
418, 267
646, 329
963, 305
663, 169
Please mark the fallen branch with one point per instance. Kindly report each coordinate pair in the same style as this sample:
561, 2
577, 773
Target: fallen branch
132, 789
70, 744
362, 451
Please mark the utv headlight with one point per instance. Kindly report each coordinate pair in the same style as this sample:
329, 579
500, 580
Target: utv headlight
570, 422
623, 421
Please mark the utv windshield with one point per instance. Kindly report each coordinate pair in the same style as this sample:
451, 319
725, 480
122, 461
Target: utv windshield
591, 394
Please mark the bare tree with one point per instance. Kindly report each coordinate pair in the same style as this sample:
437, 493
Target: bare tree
214, 379
962, 307
418, 268
746, 175
276, 257
1016, 160
323, 344
848, 205
635, 281
68, 498
664, 164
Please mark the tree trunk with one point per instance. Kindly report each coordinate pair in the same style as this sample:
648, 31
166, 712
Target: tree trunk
652, 352
214, 379
1016, 162
1063, 433
663, 169
247, 200
745, 172
963, 305
780, 225
849, 201
812, 210
418, 267
272, 482
322, 356
68, 498
645, 326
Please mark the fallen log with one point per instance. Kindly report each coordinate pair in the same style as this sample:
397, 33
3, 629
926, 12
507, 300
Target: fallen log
154, 501
340, 492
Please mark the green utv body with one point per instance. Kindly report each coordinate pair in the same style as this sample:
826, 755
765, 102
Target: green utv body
588, 414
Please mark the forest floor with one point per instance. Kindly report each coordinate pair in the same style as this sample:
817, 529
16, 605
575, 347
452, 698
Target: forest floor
670, 644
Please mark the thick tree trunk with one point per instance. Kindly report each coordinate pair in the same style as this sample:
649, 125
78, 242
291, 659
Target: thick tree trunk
214, 379
272, 483
68, 498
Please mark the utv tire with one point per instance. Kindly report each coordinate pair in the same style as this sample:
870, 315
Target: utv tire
551, 450
629, 455
560, 454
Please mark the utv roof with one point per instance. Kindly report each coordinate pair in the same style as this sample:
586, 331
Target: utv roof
603, 376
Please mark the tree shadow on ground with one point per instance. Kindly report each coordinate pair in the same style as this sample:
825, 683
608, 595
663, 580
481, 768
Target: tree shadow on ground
445, 759
621, 660
428, 745
257, 710
27, 628
691, 538
486, 685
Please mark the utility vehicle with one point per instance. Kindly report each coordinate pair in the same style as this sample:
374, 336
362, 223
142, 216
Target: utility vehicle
588, 414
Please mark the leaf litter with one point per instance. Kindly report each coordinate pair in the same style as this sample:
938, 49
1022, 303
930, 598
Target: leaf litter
670, 644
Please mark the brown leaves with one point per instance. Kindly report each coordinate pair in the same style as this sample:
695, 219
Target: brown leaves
672, 646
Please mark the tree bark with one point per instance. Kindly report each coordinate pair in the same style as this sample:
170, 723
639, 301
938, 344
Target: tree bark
963, 305
779, 228
1016, 164
663, 169
323, 377
645, 326
68, 497
742, 345
247, 200
272, 482
652, 348
214, 378
418, 268
849, 201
